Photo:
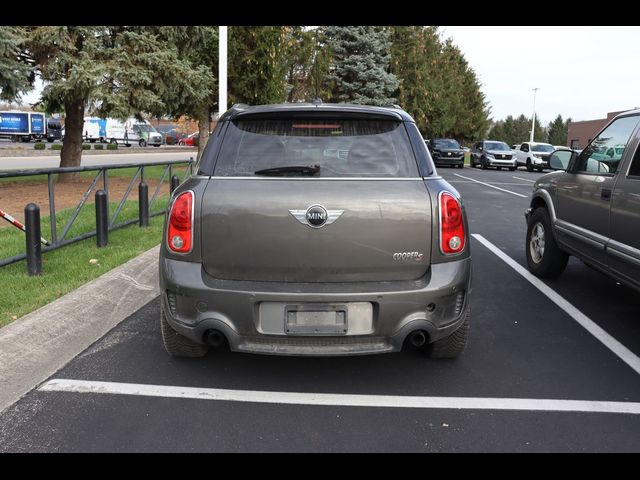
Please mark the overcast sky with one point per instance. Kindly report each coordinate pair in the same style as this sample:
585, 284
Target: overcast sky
581, 72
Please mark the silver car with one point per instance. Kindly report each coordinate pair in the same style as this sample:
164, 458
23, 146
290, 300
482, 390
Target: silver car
590, 207
315, 229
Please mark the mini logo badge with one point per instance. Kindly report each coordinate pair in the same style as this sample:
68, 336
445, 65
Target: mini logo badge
316, 216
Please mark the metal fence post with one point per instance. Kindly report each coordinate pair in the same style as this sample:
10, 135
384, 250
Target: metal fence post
175, 182
32, 230
143, 204
102, 219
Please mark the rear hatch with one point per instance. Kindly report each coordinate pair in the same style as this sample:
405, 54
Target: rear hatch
351, 205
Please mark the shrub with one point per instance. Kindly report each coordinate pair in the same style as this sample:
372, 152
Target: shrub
112, 146
56, 146
86, 147
98, 147
39, 146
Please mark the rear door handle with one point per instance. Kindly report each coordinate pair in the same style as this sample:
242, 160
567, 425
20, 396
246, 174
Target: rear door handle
605, 194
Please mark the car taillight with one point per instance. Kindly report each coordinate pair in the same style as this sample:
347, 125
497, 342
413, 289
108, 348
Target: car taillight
451, 224
180, 229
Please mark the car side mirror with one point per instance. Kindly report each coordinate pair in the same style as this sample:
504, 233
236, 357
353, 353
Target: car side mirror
560, 159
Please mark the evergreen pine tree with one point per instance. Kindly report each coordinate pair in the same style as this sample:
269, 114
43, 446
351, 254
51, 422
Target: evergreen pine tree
360, 69
558, 131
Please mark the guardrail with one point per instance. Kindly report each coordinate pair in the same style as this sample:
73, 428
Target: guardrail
103, 222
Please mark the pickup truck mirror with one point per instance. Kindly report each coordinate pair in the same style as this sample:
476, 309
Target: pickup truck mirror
560, 159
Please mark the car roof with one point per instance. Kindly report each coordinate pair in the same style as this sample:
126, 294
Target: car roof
392, 111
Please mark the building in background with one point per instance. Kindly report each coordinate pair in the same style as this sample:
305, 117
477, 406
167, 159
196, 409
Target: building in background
581, 133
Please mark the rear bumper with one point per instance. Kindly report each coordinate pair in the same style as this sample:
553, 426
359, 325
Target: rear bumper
195, 303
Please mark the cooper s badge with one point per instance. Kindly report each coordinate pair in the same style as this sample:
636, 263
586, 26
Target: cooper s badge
416, 256
316, 216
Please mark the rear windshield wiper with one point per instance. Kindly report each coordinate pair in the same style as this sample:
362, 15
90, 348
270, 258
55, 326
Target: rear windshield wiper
294, 169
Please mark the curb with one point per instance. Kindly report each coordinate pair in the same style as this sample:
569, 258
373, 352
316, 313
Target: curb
37, 345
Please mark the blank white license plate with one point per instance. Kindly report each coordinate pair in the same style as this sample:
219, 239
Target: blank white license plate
315, 320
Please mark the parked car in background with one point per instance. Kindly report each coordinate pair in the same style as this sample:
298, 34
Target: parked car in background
352, 252
446, 151
534, 155
515, 146
170, 133
192, 140
492, 153
54, 129
589, 206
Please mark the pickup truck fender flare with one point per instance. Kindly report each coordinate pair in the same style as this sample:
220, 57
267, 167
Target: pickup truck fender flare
543, 198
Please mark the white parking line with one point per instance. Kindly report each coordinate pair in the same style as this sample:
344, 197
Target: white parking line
343, 400
525, 179
494, 183
589, 325
491, 186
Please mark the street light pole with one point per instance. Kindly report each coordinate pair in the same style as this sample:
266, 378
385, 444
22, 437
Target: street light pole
533, 120
222, 70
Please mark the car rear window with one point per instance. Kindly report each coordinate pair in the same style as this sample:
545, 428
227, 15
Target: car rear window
340, 147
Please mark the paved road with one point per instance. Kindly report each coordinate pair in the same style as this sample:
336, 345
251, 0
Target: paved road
527, 361
53, 161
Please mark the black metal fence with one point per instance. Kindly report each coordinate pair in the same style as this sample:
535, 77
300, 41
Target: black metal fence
102, 216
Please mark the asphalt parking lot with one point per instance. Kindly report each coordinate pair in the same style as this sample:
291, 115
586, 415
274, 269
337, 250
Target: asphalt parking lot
551, 370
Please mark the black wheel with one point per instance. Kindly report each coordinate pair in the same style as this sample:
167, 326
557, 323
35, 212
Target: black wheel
512, 169
529, 166
452, 345
142, 142
176, 344
499, 168
50, 140
461, 165
483, 163
539, 169
92, 140
156, 144
544, 257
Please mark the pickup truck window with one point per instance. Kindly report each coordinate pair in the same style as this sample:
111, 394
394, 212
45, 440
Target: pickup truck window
634, 170
604, 153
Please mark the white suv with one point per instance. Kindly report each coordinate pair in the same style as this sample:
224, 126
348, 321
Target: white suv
534, 155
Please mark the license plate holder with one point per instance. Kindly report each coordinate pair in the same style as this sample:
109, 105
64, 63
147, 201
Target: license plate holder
315, 319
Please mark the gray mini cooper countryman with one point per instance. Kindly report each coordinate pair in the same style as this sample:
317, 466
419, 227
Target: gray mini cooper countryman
315, 229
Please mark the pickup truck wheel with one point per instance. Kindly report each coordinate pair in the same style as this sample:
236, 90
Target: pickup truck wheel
529, 166
452, 345
176, 344
544, 257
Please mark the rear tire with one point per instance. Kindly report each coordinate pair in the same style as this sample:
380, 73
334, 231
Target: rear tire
176, 344
452, 345
544, 258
